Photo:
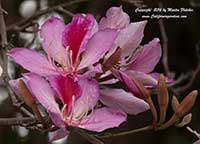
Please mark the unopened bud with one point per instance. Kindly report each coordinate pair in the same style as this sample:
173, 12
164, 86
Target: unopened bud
186, 120
175, 103
147, 97
187, 103
163, 97
181, 109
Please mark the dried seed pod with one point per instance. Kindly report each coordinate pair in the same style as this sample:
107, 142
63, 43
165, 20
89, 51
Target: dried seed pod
163, 97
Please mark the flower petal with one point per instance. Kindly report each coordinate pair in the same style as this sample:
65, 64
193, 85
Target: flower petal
197, 142
51, 34
102, 119
118, 98
92, 71
97, 46
148, 58
58, 134
32, 61
130, 37
126, 79
66, 88
76, 34
157, 75
146, 79
115, 18
89, 97
45, 95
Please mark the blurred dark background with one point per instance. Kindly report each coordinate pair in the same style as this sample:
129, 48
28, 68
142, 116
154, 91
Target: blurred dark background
183, 36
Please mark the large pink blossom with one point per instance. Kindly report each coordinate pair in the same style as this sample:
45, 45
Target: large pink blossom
70, 48
73, 52
136, 60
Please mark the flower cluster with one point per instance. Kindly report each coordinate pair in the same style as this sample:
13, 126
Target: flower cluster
83, 58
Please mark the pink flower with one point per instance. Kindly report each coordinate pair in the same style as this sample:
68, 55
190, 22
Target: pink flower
98, 120
137, 61
70, 48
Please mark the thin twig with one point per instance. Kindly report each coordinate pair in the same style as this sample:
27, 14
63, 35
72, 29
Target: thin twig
4, 45
17, 121
4, 41
27, 21
165, 45
193, 74
193, 131
191, 81
61, 9
137, 3
91, 138
146, 128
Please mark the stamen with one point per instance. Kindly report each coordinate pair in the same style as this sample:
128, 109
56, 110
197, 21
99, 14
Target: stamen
62, 111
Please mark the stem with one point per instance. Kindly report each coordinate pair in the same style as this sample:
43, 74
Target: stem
91, 138
165, 45
16, 121
146, 128
28, 21
4, 40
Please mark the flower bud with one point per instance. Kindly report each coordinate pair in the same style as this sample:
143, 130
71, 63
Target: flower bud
175, 103
186, 120
181, 109
147, 97
163, 97
187, 103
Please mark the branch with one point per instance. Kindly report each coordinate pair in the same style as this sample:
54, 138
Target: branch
17, 121
192, 75
106, 136
165, 45
28, 21
4, 41
91, 138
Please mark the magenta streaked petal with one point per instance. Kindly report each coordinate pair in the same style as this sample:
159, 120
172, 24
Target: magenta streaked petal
148, 58
89, 97
58, 134
97, 46
66, 88
126, 79
76, 34
146, 79
130, 37
45, 95
102, 119
118, 98
115, 18
51, 34
32, 61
